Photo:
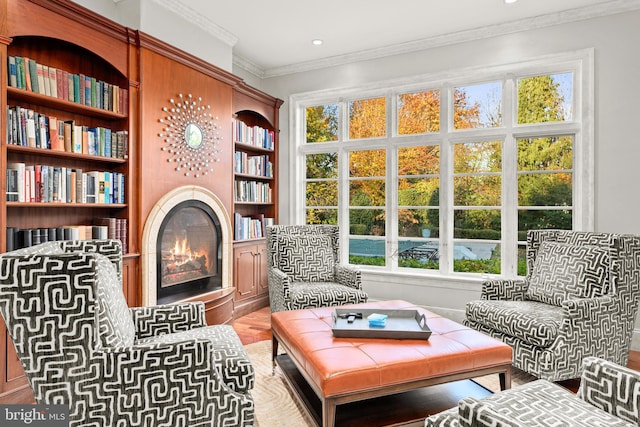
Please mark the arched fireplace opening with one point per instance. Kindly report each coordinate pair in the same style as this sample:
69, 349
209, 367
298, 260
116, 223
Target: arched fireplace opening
189, 252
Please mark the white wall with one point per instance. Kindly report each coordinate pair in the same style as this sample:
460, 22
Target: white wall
617, 139
152, 18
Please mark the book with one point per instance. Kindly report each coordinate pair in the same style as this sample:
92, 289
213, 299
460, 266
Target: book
30, 128
76, 138
67, 132
20, 168
12, 194
33, 75
13, 74
40, 73
56, 143
53, 82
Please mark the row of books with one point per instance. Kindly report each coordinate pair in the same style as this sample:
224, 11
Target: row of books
252, 191
251, 227
253, 165
29, 128
52, 184
253, 135
104, 228
27, 74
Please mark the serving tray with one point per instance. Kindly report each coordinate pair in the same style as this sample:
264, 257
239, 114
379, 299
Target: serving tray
400, 324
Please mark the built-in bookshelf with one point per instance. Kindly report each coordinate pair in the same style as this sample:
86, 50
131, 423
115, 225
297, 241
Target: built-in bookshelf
254, 159
255, 142
67, 144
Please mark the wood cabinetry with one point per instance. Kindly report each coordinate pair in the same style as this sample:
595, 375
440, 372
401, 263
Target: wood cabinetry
255, 138
250, 266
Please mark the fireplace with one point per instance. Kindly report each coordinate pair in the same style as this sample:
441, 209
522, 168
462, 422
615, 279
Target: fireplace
186, 248
188, 256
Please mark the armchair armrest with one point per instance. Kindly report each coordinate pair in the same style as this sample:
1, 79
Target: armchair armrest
611, 387
279, 288
348, 275
167, 319
504, 289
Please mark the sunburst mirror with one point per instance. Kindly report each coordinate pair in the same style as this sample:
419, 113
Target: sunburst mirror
191, 136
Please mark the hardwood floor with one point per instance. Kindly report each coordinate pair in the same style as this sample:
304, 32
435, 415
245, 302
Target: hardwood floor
254, 327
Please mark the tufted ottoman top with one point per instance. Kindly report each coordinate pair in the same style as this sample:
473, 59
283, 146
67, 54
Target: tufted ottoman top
339, 366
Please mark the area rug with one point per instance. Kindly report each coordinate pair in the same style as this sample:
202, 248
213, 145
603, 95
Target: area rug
276, 407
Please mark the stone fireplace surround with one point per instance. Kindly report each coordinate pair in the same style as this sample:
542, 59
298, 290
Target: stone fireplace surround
152, 227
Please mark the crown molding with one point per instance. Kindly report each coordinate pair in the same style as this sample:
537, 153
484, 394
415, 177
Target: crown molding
248, 66
542, 21
198, 19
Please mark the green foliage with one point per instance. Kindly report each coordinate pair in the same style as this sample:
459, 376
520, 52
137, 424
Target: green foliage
539, 100
489, 266
322, 123
366, 260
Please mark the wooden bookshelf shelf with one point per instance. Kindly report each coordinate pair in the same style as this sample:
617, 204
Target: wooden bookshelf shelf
61, 104
63, 154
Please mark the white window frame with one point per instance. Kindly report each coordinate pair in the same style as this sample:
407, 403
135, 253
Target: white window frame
581, 126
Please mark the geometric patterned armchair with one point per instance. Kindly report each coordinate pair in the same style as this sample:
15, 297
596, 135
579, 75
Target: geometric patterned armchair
305, 271
80, 344
608, 396
579, 298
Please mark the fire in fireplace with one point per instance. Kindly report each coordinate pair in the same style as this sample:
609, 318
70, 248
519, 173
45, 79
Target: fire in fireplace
189, 252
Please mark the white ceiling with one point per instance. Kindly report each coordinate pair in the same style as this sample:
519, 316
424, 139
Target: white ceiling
274, 37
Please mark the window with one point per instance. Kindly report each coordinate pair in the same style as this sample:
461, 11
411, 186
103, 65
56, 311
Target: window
448, 177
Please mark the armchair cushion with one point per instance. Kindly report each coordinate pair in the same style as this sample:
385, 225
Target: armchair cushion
304, 295
306, 258
115, 325
530, 321
564, 271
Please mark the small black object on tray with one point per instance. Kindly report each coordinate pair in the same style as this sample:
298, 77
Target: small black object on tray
398, 324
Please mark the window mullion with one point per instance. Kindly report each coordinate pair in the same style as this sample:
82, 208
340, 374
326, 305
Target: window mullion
446, 183
509, 246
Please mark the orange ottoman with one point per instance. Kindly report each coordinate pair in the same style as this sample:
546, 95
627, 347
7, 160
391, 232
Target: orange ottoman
343, 370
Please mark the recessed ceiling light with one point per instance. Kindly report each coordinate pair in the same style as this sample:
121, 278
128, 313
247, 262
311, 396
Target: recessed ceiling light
317, 42
510, 1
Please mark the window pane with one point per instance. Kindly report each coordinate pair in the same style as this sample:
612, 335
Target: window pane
367, 193
322, 123
548, 189
322, 193
549, 153
477, 106
419, 112
546, 98
369, 163
477, 190
476, 257
367, 251
367, 222
424, 254
323, 165
422, 160
368, 118
418, 223
418, 192
322, 216
522, 260
477, 224
561, 219
477, 157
